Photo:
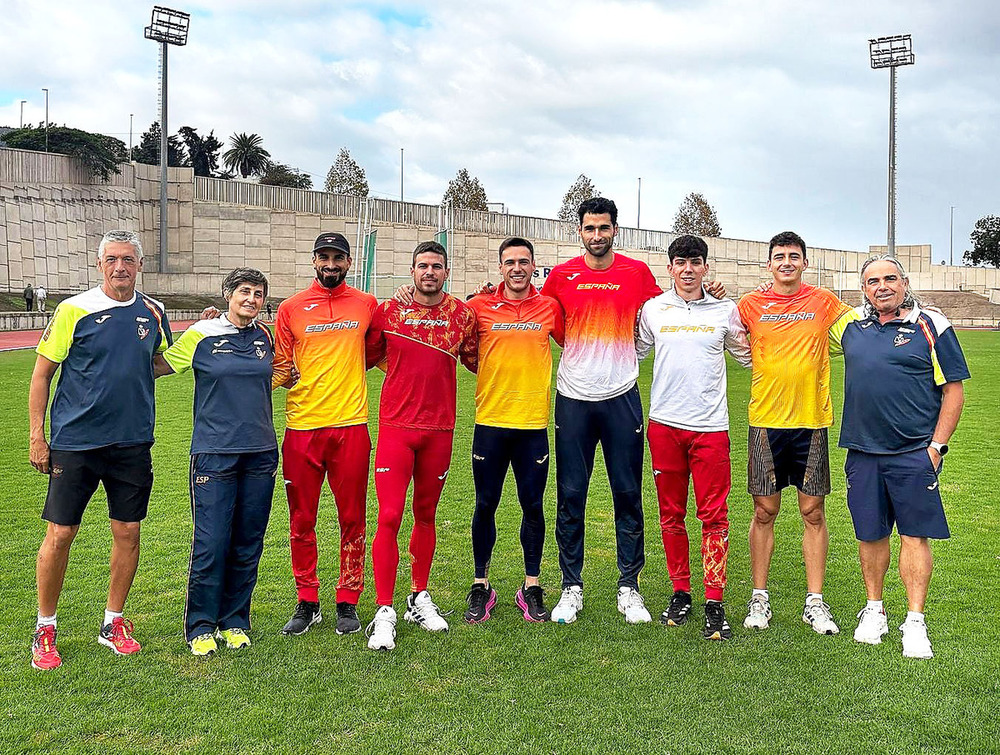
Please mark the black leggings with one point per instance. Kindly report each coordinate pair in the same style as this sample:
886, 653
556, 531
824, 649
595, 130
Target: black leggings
494, 449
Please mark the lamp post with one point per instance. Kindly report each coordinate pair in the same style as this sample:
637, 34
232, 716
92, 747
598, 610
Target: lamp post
46, 118
168, 27
891, 52
951, 238
400, 175
22, 113
130, 116
638, 205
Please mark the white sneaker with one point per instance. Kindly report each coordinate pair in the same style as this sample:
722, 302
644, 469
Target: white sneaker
758, 613
422, 612
569, 605
872, 626
382, 631
632, 606
916, 644
817, 614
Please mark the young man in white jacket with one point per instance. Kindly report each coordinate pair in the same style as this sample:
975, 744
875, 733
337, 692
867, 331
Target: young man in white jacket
688, 433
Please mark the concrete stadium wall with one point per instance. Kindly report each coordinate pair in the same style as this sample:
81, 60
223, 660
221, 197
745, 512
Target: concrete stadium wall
52, 216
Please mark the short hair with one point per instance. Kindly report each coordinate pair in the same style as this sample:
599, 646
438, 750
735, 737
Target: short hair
123, 237
688, 247
598, 206
243, 275
429, 246
909, 300
787, 238
516, 241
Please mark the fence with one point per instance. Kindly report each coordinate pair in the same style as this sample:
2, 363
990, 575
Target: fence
29, 167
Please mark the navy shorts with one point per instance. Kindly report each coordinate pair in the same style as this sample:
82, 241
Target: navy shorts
125, 471
900, 489
778, 458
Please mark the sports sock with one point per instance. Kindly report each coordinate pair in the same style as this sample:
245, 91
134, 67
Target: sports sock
45, 620
914, 616
763, 593
876, 604
110, 616
814, 597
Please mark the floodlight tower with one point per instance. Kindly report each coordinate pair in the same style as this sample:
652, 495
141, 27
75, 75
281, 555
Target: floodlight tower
891, 52
168, 27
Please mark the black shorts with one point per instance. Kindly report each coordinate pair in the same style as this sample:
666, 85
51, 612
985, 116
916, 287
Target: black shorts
127, 474
779, 458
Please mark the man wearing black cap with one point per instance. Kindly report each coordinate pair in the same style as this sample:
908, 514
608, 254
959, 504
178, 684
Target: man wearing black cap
321, 331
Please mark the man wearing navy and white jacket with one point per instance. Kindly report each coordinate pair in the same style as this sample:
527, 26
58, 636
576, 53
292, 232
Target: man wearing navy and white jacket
688, 434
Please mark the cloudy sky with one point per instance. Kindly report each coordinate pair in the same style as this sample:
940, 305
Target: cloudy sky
769, 108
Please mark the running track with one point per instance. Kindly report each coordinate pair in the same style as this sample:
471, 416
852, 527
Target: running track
12, 340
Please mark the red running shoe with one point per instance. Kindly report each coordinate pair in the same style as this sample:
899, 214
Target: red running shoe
118, 636
44, 655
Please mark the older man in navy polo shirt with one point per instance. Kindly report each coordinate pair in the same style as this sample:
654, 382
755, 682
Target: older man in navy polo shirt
903, 397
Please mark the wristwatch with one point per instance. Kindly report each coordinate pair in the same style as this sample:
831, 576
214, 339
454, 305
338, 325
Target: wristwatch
941, 448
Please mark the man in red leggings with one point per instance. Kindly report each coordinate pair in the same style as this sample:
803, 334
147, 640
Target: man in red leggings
420, 344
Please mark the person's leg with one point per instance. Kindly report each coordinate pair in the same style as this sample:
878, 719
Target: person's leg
622, 444
874, 557
530, 462
348, 477
214, 495
576, 445
815, 540
763, 485
67, 498
490, 460
255, 490
50, 566
430, 469
669, 453
393, 472
711, 473
303, 470
127, 475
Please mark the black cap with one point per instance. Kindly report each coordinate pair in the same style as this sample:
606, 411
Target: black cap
331, 241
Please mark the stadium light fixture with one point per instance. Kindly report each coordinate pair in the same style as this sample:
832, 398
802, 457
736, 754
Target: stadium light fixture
168, 27
46, 118
22, 113
891, 52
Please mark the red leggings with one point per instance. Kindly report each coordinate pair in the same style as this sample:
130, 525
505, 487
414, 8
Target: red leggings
679, 455
402, 455
342, 455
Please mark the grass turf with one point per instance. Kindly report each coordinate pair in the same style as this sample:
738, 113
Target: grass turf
505, 686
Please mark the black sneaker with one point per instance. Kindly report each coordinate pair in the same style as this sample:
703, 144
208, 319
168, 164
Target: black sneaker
481, 600
347, 619
678, 610
306, 614
530, 601
716, 626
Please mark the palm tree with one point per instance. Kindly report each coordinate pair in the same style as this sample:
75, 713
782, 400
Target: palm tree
247, 155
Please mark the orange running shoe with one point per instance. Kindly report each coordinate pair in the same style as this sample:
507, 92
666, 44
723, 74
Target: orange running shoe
44, 655
118, 636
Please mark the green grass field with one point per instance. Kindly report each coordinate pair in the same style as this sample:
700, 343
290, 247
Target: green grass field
505, 686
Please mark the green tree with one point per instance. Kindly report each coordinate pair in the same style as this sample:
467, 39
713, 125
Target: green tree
346, 176
246, 155
148, 151
279, 174
985, 239
465, 192
202, 152
697, 217
579, 192
98, 153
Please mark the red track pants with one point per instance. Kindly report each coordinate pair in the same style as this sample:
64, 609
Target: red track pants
679, 455
401, 455
342, 455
